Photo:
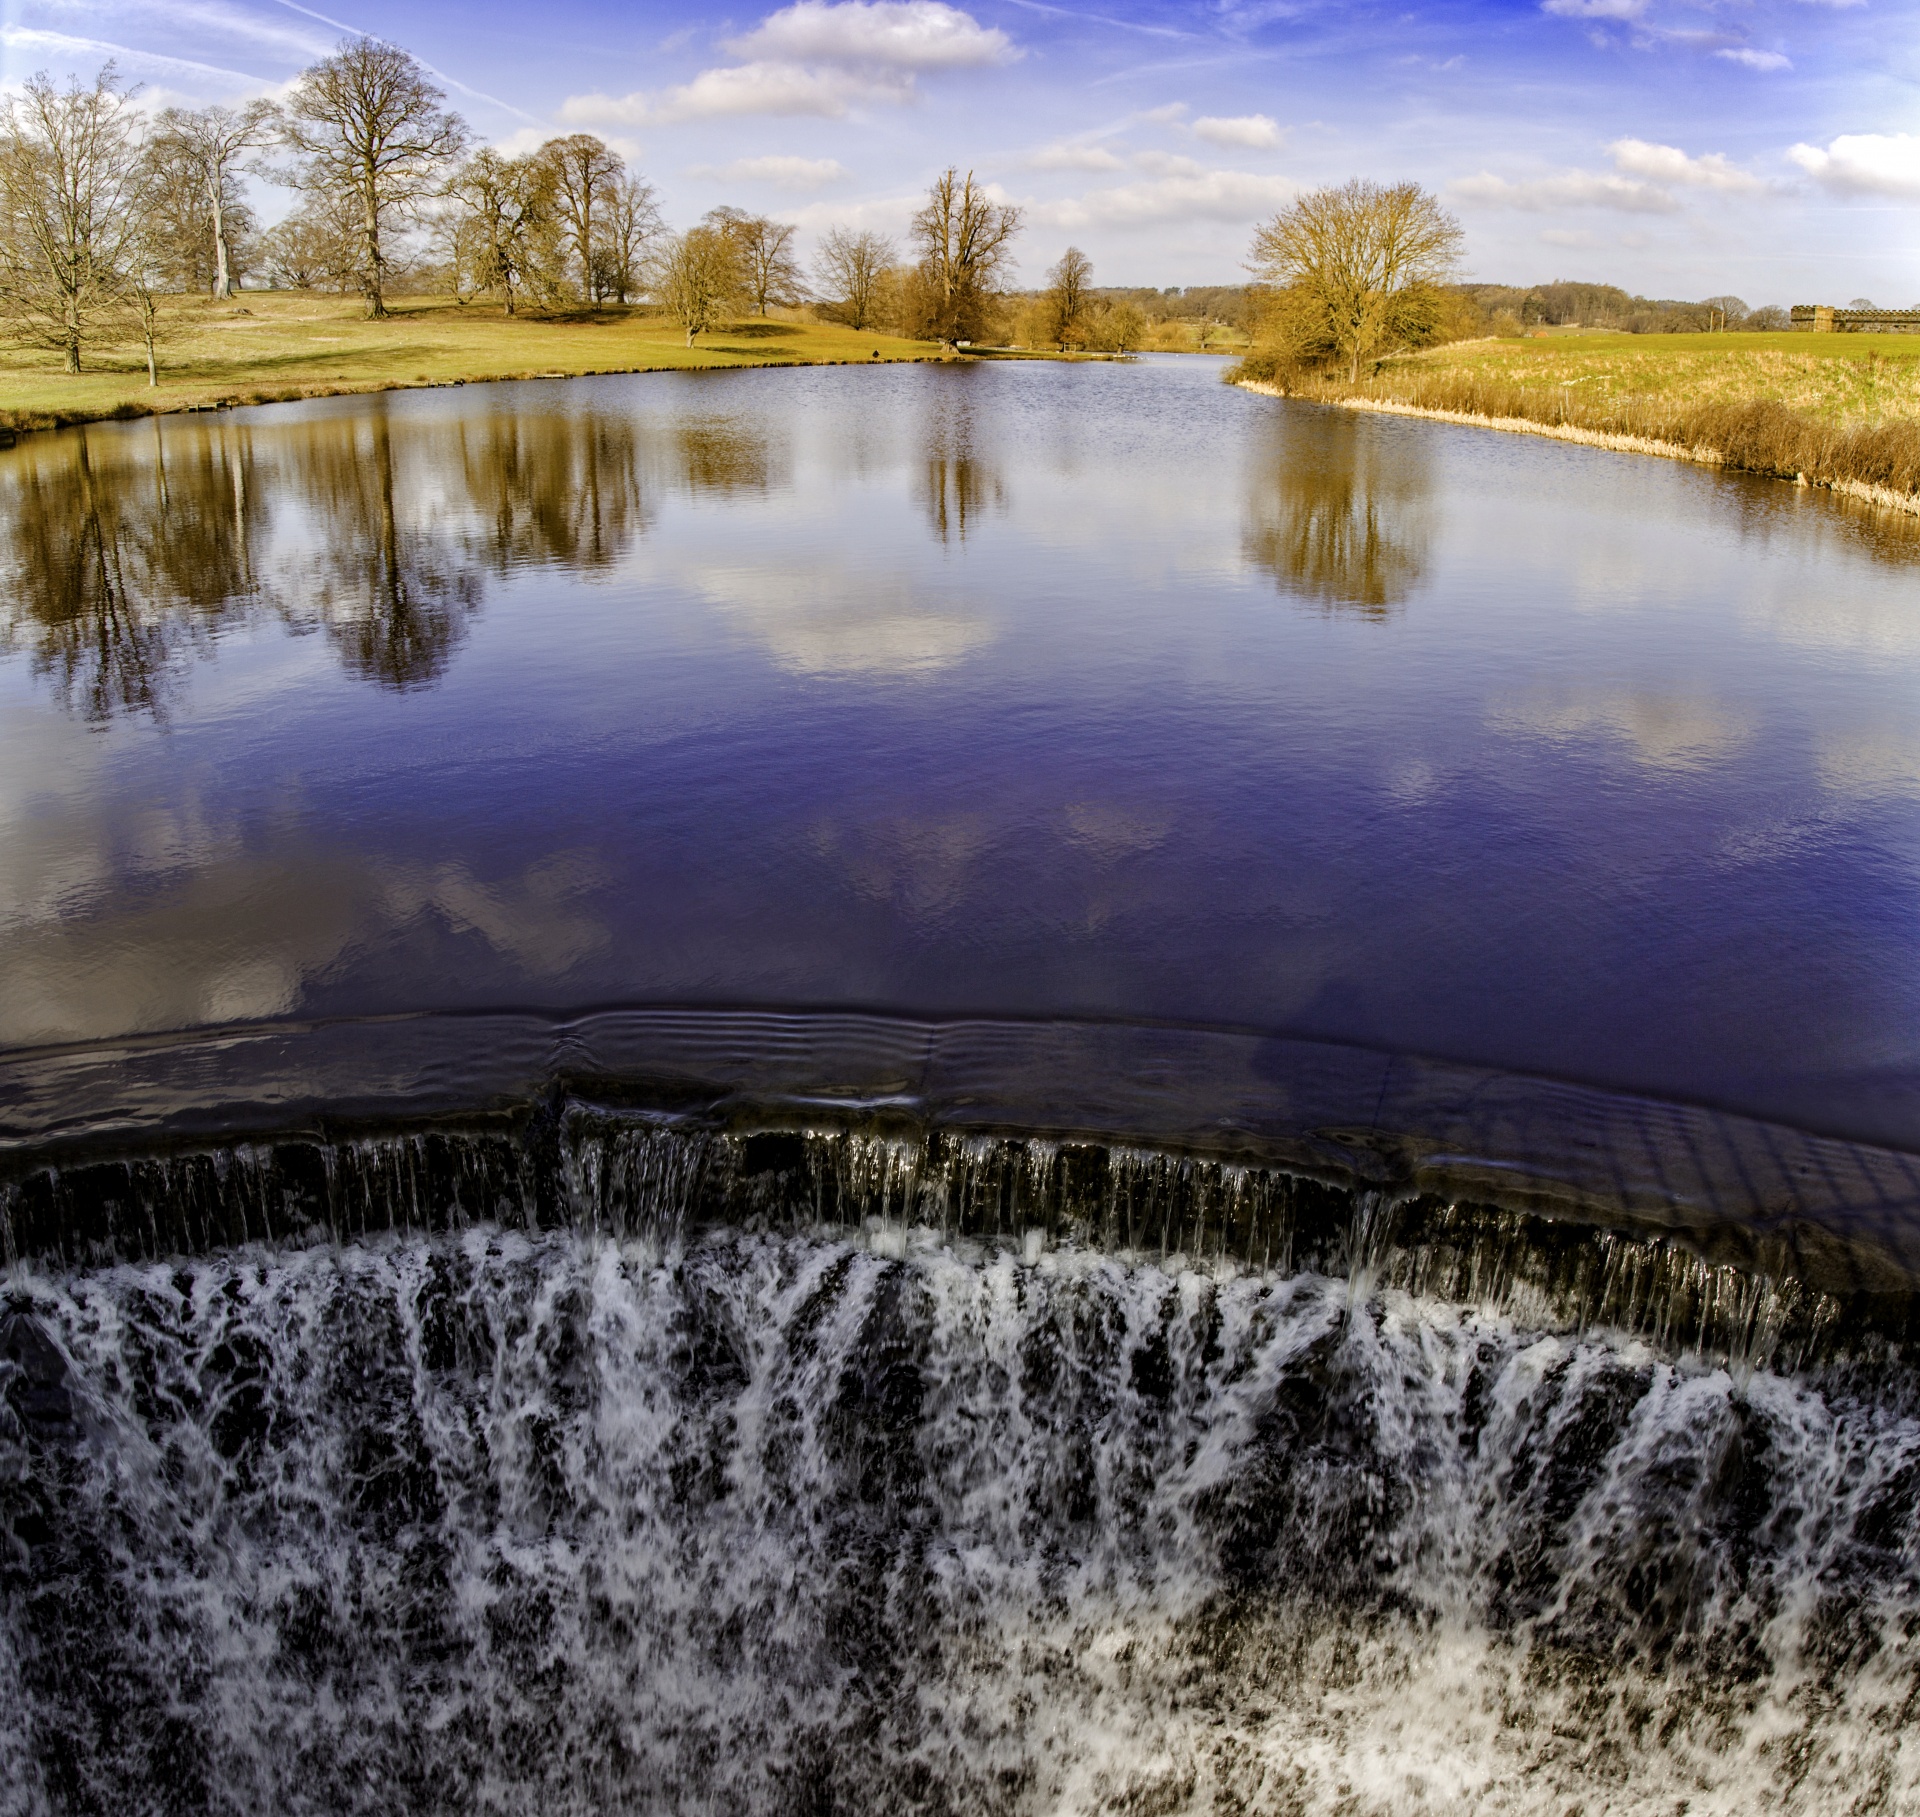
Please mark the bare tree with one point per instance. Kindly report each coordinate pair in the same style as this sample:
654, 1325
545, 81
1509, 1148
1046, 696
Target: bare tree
631, 220
852, 268
585, 171
1066, 298
1358, 264
183, 233
769, 273
71, 209
695, 276
317, 247
370, 126
505, 227
211, 144
965, 242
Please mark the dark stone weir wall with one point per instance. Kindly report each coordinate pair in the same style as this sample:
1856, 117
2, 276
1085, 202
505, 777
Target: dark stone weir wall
1791, 1296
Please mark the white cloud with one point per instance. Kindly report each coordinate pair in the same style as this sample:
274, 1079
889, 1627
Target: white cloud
1255, 130
1669, 164
94, 50
875, 34
1756, 59
1213, 195
1864, 164
816, 57
1595, 9
1171, 114
1167, 164
1567, 189
782, 172
1073, 157
749, 88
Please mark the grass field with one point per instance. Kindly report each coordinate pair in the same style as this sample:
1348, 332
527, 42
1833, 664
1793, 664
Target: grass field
1848, 380
1836, 410
264, 346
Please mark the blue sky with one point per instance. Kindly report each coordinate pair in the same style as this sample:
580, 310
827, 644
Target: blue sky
1768, 148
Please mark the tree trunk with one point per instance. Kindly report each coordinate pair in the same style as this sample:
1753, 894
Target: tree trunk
370, 229
153, 376
222, 256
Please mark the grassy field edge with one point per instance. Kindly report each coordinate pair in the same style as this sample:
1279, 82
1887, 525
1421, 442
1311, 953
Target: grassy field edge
270, 347
1765, 438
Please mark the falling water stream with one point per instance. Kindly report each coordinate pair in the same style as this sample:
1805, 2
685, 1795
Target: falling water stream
819, 1470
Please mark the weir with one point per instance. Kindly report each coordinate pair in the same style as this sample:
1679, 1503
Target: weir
670, 1446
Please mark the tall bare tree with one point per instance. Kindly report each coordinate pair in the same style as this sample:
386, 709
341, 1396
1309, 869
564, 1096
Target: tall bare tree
210, 145
1358, 265
965, 241
695, 276
585, 171
183, 235
769, 273
852, 269
632, 224
1066, 297
505, 227
369, 125
71, 211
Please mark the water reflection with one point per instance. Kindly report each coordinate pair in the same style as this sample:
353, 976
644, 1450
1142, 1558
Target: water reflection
554, 490
392, 589
959, 484
723, 454
125, 553
1631, 802
1339, 512
120, 557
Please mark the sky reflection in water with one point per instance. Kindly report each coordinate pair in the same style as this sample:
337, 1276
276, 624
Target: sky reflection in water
1094, 690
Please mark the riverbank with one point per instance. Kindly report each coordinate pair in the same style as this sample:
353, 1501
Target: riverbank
271, 346
1843, 414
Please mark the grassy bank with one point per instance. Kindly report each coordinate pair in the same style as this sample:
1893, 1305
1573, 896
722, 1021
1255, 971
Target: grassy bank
265, 346
1841, 411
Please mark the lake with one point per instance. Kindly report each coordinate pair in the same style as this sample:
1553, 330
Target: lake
957, 1087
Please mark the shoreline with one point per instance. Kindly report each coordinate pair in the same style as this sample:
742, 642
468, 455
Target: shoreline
251, 396
1884, 497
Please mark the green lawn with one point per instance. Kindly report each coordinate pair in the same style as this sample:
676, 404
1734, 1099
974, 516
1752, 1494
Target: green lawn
268, 345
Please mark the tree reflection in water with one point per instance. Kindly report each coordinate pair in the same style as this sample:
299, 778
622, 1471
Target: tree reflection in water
1340, 511
959, 484
393, 592
553, 490
126, 552
721, 454
123, 554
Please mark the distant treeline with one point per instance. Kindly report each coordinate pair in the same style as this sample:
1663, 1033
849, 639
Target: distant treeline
1509, 309
1480, 309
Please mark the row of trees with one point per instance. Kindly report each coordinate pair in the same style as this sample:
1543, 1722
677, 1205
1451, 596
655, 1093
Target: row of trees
103, 211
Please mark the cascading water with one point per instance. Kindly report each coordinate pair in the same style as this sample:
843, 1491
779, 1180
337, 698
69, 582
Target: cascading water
802, 1472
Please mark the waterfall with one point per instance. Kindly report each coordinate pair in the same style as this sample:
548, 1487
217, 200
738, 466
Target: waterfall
643, 1468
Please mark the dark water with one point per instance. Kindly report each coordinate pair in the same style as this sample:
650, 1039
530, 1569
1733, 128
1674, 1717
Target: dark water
956, 1090
1097, 690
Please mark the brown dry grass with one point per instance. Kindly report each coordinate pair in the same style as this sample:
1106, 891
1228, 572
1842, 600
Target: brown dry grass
1758, 435
1841, 412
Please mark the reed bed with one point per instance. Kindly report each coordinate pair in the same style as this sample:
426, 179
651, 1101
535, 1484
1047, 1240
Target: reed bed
1874, 457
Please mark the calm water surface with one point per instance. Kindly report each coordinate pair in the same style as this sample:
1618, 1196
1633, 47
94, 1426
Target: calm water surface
1032, 690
